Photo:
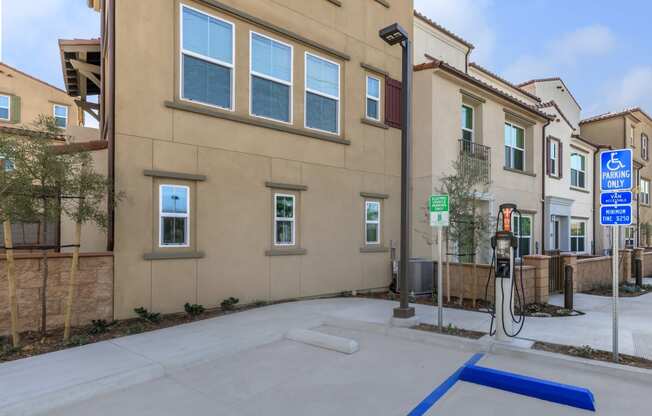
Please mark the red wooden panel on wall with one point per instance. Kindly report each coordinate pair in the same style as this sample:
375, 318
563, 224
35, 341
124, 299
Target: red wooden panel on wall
393, 91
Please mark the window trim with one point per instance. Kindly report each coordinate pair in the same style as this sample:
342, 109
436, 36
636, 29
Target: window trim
632, 229
583, 156
367, 203
554, 162
161, 214
472, 129
371, 97
8, 107
511, 153
54, 113
641, 193
571, 236
519, 236
231, 66
645, 145
293, 220
308, 90
253, 73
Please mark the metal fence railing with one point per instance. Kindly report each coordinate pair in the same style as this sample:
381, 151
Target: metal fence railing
475, 158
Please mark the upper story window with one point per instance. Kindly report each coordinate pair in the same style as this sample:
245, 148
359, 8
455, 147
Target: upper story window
271, 78
373, 98
467, 123
322, 94
174, 213
578, 170
284, 220
5, 107
514, 147
372, 222
207, 57
644, 191
554, 157
631, 136
645, 149
60, 113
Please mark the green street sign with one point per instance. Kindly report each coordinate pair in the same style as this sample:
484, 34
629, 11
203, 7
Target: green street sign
439, 209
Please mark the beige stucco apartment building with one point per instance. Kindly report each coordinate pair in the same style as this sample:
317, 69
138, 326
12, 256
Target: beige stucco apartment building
251, 142
464, 110
631, 129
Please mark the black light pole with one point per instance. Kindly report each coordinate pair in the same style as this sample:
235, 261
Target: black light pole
394, 34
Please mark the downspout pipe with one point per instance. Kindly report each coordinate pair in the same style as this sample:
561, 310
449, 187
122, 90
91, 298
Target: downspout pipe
544, 161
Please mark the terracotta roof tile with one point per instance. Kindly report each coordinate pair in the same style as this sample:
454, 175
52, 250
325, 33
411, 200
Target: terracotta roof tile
606, 116
503, 80
532, 81
552, 103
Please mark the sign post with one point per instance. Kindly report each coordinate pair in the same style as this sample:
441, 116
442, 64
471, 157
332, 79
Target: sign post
616, 177
438, 207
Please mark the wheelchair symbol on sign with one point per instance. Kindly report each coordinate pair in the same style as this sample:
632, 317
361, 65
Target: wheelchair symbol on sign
614, 164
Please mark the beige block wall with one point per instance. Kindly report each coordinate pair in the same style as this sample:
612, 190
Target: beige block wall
231, 211
36, 97
93, 294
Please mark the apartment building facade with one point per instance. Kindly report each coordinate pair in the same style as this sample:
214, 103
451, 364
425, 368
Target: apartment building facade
569, 216
629, 129
462, 110
253, 141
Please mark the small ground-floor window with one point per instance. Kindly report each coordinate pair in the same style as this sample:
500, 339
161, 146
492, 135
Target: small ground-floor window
284, 219
372, 222
523, 231
174, 215
630, 237
578, 236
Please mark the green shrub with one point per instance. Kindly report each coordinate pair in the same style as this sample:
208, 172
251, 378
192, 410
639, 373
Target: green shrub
259, 303
193, 310
148, 316
229, 303
585, 351
136, 328
77, 340
99, 326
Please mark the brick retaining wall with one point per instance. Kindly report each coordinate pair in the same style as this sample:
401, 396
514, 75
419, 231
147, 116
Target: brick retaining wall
93, 297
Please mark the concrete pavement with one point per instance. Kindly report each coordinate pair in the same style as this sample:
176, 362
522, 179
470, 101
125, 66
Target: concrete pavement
245, 355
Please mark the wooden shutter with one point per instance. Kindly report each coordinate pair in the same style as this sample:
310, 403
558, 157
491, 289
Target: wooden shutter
393, 89
14, 106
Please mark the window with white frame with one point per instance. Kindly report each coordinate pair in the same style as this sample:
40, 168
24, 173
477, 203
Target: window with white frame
578, 170
467, 123
5, 107
174, 215
522, 226
284, 219
630, 236
645, 149
372, 222
578, 236
373, 98
644, 191
553, 152
60, 113
322, 99
514, 147
207, 57
271, 78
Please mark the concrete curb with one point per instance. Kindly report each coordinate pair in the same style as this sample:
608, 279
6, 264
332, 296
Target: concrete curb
41, 403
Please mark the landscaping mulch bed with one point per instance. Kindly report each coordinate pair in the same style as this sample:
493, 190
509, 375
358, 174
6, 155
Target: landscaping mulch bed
626, 290
451, 330
593, 354
535, 310
33, 344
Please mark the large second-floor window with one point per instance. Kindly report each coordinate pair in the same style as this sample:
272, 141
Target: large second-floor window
645, 147
207, 57
60, 113
644, 191
578, 170
514, 147
322, 94
467, 123
271, 78
5, 105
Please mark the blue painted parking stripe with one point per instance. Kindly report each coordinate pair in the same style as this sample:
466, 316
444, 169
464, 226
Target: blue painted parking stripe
437, 394
574, 396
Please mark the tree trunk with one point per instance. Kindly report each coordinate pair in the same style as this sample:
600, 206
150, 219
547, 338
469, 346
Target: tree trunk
71, 282
11, 279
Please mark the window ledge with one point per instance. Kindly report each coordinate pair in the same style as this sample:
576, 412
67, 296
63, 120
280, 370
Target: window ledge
373, 195
374, 249
522, 172
258, 122
286, 186
338, 3
286, 252
373, 123
174, 255
383, 2
554, 177
174, 175
578, 189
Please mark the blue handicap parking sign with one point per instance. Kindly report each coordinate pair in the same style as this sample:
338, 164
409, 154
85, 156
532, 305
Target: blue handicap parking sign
616, 215
616, 173
615, 198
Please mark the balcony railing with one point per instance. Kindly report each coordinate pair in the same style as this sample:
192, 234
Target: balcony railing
475, 159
